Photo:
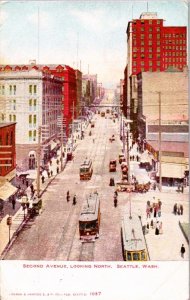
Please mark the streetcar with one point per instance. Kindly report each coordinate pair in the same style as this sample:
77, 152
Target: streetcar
133, 242
86, 170
89, 219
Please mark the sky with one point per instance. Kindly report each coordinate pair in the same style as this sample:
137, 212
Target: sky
88, 35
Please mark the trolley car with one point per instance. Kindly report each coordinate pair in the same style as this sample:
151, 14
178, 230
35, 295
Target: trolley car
89, 220
86, 170
133, 242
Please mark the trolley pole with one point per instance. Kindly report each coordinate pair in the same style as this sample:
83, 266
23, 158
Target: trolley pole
160, 144
38, 161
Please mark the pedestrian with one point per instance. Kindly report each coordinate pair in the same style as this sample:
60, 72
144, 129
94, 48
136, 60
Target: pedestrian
57, 170
51, 172
32, 188
57, 161
48, 174
157, 228
147, 226
13, 202
50, 162
182, 187
155, 211
182, 250
175, 209
178, 210
160, 228
116, 193
43, 178
159, 211
151, 223
181, 209
26, 182
68, 196
154, 186
74, 200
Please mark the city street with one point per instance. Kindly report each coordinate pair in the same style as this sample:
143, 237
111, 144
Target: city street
54, 234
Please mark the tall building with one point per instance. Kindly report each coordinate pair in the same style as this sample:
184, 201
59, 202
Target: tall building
33, 99
152, 47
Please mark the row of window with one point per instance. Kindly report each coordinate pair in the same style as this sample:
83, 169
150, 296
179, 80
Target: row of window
149, 29
174, 42
12, 118
175, 53
150, 43
142, 63
175, 47
174, 35
175, 59
158, 22
142, 49
143, 69
12, 89
142, 36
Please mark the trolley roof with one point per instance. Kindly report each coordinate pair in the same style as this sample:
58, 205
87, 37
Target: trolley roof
133, 238
86, 163
90, 208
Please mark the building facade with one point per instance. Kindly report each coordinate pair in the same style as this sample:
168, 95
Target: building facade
7, 148
152, 47
173, 97
33, 99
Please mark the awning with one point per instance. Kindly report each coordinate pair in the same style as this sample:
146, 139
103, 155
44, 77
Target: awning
6, 190
171, 170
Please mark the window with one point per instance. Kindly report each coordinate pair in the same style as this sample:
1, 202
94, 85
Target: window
30, 89
150, 35
150, 63
157, 29
142, 55
158, 63
150, 43
14, 104
158, 43
14, 118
30, 120
30, 135
34, 120
34, 135
35, 89
10, 89
158, 55
142, 63
158, 22
35, 101
150, 29
10, 118
150, 55
142, 69
134, 63
150, 22
158, 35
134, 56
142, 36
142, 43
14, 89
142, 49
158, 69
158, 49
134, 70
150, 49
150, 69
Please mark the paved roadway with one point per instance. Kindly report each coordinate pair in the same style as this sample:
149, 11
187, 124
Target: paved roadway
54, 235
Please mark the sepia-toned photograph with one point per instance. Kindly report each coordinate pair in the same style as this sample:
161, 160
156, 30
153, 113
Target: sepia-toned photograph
94, 144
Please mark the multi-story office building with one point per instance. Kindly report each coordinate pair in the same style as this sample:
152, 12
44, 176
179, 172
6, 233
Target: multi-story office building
33, 99
152, 47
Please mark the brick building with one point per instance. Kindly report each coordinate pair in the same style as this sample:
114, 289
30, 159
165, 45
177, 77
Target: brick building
7, 149
152, 47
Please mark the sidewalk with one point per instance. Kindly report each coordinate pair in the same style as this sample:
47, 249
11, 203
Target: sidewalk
18, 218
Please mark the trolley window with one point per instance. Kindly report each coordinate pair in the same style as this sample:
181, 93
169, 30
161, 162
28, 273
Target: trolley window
143, 256
129, 256
136, 256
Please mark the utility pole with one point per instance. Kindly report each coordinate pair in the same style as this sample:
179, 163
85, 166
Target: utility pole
38, 161
61, 141
72, 139
124, 140
160, 143
128, 157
